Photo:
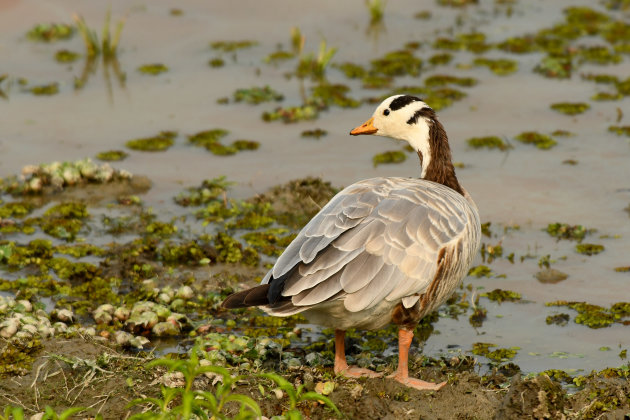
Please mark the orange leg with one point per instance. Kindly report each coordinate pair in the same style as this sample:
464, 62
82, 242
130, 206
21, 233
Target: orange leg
402, 373
341, 366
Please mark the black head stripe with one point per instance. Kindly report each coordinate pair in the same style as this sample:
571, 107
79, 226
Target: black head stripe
425, 112
402, 101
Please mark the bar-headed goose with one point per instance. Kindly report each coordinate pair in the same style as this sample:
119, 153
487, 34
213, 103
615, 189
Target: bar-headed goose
382, 250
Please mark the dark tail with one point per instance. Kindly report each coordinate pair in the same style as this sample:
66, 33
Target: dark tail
256, 296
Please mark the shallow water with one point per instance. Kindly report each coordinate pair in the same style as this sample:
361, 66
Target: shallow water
525, 186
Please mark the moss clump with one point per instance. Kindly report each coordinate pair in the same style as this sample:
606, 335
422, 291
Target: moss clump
480, 271
316, 133
257, 95
571, 108
391, 156
216, 62
16, 209
500, 67
17, 357
271, 241
558, 319
163, 141
229, 249
565, 231
589, 249
541, 141
555, 66
620, 130
64, 220
188, 253
153, 69
397, 63
499, 295
112, 155
50, 32
594, 316
488, 142
45, 90
229, 46
66, 56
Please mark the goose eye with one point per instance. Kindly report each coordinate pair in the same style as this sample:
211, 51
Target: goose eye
386, 112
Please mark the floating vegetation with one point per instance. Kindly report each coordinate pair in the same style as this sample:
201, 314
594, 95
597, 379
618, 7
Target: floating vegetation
565, 231
625, 269
474, 42
441, 80
216, 62
558, 319
598, 55
47, 90
555, 66
589, 249
457, 3
571, 108
230, 46
293, 114
480, 271
245, 144
112, 155
279, 56
488, 142
620, 130
334, 94
209, 190
153, 69
59, 175
316, 133
606, 96
208, 137
351, 70
66, 56
257, 95
391, 156
50, 32
541, 141
498, 355
441, 59
551, 276
594, 316
519, 45
500, 67
562, 133
159, 143
397, 63
424, 14
601, 78
500, 295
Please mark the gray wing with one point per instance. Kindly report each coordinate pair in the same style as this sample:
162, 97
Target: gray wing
377, 239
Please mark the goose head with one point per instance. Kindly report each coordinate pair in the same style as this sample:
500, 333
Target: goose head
409, 118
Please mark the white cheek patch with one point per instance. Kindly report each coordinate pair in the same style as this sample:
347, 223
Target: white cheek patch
420, 142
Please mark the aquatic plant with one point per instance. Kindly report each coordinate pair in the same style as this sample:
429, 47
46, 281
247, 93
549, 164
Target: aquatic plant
489, 142
112, 155
316, 133
108, 45
49, 89
257, 95
589, 249
230, 46
500, 295
66, 56
153, 69
500, 67
50, 32
391, 156
313, 66
565, 231
594, 316
376, 9
159, 143
620, 130
541, 141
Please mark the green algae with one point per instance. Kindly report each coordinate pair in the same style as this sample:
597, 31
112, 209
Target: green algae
500, 67
559, 66
45, 90
230, 46
374, 81
391, 156
209, 191
63, 221
17, 356
589, 249
333, 94
480, 271
271, 241
51, 32
569, 232
624, 269
159, 143
207, 137
316, 133
488, 142
216, 62
541, 141
17, 209
498, 355
230, 250
441, 80
66, 56
457, 3
257, 95
153, 69
594, 316
519, 45
606, 96
112, 155
351, 70
441, 59
558, 319
570, 108
620, 130
397, 63
293, 114
474, 42
598, 55
245, 144
499, 295
279, 56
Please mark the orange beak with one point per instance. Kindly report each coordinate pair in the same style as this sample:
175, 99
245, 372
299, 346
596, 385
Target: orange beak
365, 128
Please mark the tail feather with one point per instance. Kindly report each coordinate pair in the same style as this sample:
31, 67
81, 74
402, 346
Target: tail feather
256, 296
